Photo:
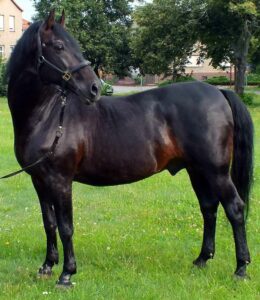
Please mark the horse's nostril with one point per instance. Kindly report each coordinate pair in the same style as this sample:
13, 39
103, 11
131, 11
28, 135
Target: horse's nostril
94, 90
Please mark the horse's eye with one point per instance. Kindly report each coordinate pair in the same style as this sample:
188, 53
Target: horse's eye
58, 46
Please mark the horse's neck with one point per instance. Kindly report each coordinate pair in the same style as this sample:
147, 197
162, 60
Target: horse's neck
26, 96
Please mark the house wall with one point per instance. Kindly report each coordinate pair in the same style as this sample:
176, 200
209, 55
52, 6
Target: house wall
205, 70
9, 38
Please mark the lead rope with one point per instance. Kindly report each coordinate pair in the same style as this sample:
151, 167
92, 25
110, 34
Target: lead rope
51, 151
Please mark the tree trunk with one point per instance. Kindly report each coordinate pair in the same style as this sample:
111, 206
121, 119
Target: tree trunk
240, 75
96, 68
241, 52
174, 72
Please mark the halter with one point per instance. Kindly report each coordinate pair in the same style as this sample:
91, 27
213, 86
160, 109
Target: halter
67, 74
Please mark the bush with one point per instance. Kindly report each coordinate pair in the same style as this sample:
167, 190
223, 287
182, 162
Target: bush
247, 98
181, 78
253, 79
166, 82
137, 80
3, 81
218, 80
106, 89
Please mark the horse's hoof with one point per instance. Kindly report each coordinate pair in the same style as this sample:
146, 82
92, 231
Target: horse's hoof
45, 271
64, 281
63, 285
239, 277
240, 273
200, 263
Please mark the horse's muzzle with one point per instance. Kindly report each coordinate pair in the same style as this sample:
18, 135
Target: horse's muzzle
88, 93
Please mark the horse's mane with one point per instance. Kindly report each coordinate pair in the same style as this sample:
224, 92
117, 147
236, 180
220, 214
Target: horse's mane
22, 50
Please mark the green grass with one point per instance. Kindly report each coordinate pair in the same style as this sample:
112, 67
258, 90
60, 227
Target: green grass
252, 88
132, 242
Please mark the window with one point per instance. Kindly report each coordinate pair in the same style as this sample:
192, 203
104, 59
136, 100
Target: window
2, 51
11, 49
1, 22
194, 61
11, 23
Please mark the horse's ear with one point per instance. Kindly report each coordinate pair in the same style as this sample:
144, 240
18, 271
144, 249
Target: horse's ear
62, 18
48, 24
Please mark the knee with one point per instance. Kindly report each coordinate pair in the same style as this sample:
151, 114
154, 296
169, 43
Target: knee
50, 228
235, 211
71, 266
66, 232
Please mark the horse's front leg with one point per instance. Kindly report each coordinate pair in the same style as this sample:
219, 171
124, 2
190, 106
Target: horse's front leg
50, 225
64, 215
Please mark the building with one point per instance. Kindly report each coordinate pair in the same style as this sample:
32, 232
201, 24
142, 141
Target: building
26, 24
200, 71
10, 26
204, 70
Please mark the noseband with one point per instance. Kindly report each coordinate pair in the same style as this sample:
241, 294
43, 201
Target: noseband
67, 74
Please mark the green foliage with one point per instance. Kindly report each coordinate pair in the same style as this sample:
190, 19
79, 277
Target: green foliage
163, 37
3, 81
247, 98
244, 8
253, 79
254, 52
221, 27
106, 89
178, 79
257, 69
137, 80
218, 80
101, 27
225, 29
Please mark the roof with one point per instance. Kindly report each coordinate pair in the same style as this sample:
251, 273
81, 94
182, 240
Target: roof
17, 5
26, 24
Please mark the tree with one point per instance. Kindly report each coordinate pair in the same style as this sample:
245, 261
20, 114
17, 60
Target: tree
101, 27
225, 29
163, 37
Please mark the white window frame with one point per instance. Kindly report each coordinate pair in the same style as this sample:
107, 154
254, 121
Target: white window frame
2, 51
11, 48
2, 23
11, 23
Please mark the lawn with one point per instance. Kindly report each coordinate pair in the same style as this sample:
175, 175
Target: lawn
133, 241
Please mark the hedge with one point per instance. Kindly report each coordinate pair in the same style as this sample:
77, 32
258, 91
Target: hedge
252, 79
178, 79
3, 83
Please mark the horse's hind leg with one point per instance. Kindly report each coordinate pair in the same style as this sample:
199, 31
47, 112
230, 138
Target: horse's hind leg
50, 225
208, 205
221, 186
234, 209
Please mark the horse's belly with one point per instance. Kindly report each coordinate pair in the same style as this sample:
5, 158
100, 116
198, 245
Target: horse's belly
117, 172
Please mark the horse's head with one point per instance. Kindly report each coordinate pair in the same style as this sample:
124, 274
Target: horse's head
60, 61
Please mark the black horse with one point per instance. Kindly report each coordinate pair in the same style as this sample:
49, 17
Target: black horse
120, 140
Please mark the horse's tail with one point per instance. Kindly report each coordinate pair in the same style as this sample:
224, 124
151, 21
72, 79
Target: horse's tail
242, 164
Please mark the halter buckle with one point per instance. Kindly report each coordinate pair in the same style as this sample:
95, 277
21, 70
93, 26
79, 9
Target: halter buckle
66, 76
41, 59
59, 132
